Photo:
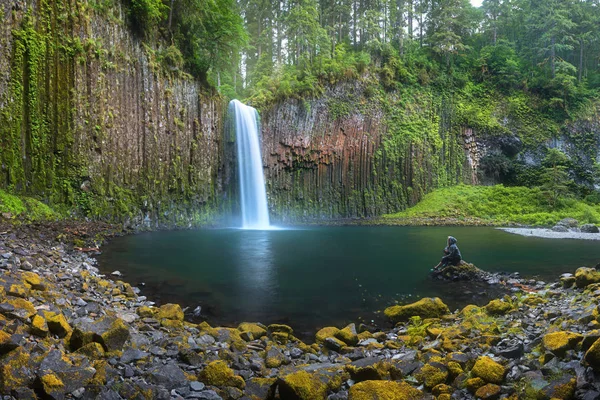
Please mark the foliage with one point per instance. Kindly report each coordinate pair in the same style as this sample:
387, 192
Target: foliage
555, 178
497, 205
147, 14
25, 208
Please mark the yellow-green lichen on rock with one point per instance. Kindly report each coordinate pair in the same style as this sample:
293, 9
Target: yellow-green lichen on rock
51, 384
146, 312
280, 328
592, 356
384, 390
57, 324
92, 350
488, 391
255, 329
559, 342
33, 280
170, 311
327, 332
348, 335
17, 290
489, 370
585, 276
432, 374
497, 307
39, 327
217, 373
424, 308
302, 385
24, 305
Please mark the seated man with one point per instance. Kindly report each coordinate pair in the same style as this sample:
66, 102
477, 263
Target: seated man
452, 255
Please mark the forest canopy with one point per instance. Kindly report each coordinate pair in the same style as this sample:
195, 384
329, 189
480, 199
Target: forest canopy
267, 50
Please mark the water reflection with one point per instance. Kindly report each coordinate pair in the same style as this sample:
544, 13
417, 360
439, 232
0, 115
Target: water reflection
255, 270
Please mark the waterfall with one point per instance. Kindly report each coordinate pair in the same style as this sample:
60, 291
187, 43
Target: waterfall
253, 195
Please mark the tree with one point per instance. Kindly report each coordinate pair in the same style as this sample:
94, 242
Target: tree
555, 177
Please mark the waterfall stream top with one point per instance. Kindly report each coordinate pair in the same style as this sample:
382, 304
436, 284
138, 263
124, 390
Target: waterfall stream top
253, 194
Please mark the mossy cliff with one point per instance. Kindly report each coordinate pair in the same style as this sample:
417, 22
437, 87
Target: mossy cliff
361, 149
95, 120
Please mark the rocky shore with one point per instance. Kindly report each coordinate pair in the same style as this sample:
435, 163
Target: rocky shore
66, 331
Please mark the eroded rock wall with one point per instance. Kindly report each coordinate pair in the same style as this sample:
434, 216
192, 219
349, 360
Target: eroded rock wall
351, 154
91, 117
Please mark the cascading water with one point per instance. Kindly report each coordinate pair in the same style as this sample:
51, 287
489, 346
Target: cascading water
253, 195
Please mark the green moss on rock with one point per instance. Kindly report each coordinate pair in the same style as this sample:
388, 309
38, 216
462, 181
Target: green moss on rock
383, 390
255, 329
497, 307
302, 385
217, 373
325, 333
424, 308
170, 311
559, 342
586, 276
489, 370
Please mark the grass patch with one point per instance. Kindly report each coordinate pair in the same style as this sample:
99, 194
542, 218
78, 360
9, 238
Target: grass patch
496, 205
25, 208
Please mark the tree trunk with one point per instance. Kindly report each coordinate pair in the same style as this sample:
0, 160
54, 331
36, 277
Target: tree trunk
552, 57
171, 14
580, 72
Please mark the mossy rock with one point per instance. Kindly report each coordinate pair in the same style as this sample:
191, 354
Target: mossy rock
217, 373
6, 343
586, 276
146, 312
92, 350
497, 307
489, 391
592, 356
442, 389
384, 390
424, 308
280, 337
27, 309
33, 280
39, 327
432, 374
171, 323
2, 293
110, 332
17, 290
473, 384
280, 328
560, 342
52, 386
371, 369
15, 370
325, 333
57, 324
257, 330
348, 335
170, 311
489, 370
302, 385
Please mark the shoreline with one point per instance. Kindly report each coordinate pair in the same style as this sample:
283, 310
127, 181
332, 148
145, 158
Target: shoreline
550, 234
68, 331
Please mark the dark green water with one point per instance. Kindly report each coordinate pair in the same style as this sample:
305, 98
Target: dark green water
315, 277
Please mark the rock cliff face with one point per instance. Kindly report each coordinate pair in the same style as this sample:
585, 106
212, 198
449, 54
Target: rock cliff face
347, 154
91, 117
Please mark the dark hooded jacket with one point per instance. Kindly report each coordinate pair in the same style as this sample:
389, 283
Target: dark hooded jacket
452, 253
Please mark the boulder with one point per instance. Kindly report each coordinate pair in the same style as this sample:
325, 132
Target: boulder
568, 222
384, 390
424, 308
586, 276
171, 312
488, 392
302, 385
432, 374
560, 228
325, 333
497, 307
39, 327
257, 330
560, 342
589, 228
32, 279
110, 332
348, 335
592, 356
489, 370
217, 373
57, 324
280, 328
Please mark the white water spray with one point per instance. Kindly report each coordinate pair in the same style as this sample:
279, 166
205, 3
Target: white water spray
253, 195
